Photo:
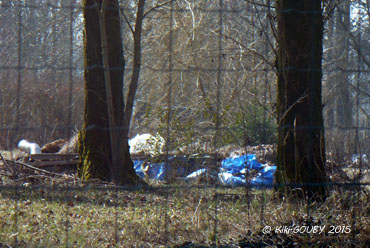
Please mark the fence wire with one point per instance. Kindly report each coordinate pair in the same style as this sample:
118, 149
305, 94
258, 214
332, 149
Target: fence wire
207, 85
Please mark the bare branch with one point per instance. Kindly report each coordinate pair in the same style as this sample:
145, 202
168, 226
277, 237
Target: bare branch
36, 169
299, 100
156, 7
127, 21
260, 4
250, 49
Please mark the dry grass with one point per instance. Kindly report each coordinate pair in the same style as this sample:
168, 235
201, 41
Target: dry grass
70, 146
37, 210
170, 216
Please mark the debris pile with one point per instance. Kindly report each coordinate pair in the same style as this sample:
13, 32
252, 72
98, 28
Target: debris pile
234, 171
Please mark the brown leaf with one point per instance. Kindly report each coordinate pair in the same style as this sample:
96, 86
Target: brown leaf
70, 204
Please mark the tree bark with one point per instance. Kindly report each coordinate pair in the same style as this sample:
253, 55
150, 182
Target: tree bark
343, 104
103, 120
301, 149
136, 66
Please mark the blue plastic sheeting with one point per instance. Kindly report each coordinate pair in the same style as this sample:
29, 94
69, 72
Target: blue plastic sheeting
265, 177
137, 167
183, 165
233, 171
155, 171
228, 178
236, 164
268, 172
158, 171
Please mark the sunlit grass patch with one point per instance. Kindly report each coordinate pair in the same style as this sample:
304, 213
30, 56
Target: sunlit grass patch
169, 216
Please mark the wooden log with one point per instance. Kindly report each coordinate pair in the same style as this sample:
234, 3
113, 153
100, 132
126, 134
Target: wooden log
52, 159
40, 164
54, 156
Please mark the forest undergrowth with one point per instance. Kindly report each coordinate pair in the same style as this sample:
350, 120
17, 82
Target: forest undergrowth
58, 210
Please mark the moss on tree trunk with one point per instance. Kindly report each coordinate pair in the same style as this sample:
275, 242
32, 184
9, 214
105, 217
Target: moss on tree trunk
94, 140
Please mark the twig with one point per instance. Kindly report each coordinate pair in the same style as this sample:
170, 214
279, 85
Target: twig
37, 169
127, 21
6, 165
156, 7
291, 106
3, 160
196, 211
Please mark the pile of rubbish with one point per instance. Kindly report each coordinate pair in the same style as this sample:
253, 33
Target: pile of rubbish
240, 170
235, 170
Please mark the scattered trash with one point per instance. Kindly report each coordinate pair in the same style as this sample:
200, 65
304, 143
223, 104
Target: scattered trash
158, 168
233, 170
236, 164
265, 177
138, 169
196, 174
157, 171
29, 147
356, 158
147, 144
154, 171
228, 178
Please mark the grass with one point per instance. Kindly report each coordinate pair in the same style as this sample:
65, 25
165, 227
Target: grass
170, 216
52, 212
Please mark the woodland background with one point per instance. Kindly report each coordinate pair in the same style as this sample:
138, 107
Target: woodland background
213, 62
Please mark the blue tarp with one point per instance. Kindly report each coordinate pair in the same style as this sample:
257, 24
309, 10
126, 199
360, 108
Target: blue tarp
155, 170
137, 167
158, 170
265, 177
232, 171
236, 164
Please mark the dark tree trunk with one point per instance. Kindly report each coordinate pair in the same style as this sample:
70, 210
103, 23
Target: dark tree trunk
301, 149
95, 140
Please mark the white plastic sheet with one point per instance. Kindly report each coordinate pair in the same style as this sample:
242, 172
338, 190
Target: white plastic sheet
29, 147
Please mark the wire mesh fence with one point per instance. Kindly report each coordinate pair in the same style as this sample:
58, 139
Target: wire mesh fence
207, 86
178, 216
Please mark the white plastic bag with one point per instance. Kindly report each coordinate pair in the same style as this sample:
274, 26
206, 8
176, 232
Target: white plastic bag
29, 147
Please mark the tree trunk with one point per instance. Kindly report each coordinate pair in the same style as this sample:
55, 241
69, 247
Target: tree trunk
342, 28
301, 149
95, 138
136, 66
